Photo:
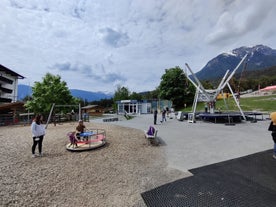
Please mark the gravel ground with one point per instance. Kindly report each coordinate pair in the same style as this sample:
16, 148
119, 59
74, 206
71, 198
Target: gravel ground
114, 175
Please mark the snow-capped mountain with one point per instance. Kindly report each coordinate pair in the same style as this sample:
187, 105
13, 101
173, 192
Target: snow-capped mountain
259, 57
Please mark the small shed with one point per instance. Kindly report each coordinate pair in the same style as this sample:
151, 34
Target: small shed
92, 110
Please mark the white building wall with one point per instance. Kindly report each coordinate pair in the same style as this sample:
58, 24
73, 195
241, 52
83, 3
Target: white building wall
12, 87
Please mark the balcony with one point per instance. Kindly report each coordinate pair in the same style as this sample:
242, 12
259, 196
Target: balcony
5, 90
5, 100
6, 80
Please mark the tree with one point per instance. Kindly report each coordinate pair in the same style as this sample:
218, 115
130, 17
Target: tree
135, 96
26, 98
175, 86
207, 84
106, 103
122, 93
50, 90
151, 95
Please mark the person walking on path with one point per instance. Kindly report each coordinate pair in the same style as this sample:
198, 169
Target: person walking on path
163, 116
155, 116
38, 132
272, 128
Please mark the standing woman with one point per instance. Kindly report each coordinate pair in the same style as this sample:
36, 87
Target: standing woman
38, 131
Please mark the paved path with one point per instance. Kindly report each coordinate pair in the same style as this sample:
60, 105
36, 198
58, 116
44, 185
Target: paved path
191, 145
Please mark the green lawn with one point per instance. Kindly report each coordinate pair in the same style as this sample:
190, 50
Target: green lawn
260, 103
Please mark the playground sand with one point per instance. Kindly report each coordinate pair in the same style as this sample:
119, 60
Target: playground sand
114, 175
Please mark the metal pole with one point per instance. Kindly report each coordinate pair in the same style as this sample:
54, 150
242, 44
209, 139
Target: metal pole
233, 72
79, 111
49, 117
236, 101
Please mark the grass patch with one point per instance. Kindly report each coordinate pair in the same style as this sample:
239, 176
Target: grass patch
260, 103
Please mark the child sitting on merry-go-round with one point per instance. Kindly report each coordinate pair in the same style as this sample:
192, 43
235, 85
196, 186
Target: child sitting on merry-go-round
73, 139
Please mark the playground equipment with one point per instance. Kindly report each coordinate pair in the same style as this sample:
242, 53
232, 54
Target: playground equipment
62, 106
89, 140
209, 96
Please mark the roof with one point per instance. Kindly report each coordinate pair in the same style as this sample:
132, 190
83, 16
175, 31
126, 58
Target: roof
12, 73
90, 106
11, 105
268, 88
127, 101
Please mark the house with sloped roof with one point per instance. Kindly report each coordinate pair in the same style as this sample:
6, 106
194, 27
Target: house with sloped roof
8, 85
92, 110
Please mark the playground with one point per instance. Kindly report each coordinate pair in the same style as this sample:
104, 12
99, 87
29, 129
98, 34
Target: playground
127, 166
118, 173
209, 96
113, 175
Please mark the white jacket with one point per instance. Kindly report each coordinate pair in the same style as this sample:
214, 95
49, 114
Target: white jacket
37, 130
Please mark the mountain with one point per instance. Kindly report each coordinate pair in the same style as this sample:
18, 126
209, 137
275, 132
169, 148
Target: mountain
259, 57
90, 96
25, 90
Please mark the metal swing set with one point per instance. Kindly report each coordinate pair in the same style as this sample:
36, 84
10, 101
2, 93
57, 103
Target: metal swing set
56, 106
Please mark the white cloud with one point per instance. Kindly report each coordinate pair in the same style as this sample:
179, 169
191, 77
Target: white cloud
114, 38
94, 45
241, 19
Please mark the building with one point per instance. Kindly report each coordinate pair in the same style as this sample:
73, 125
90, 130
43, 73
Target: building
8, 85
10, 113
142, 107
92, 110
10, 108
269, 88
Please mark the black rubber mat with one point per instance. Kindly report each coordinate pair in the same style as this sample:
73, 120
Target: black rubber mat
248, 181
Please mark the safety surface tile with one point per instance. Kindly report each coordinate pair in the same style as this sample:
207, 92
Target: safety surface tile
248, 181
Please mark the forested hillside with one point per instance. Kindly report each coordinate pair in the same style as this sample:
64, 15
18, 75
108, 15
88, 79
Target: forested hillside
253, 79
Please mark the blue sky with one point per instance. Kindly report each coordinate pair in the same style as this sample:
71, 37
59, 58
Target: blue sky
96, 45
